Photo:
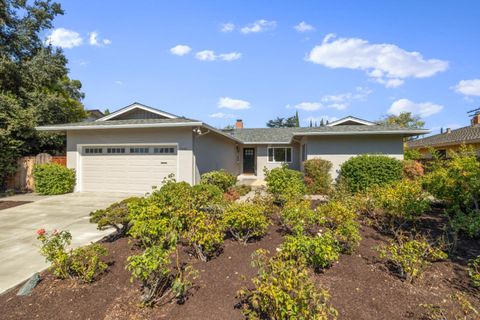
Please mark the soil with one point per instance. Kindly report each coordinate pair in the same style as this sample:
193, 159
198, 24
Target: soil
10, 204
361, 287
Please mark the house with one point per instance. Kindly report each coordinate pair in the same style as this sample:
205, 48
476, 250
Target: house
135, 147
449, 140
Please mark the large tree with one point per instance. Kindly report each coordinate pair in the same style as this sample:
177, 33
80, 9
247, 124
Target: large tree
34, 85
404, 120
284, 122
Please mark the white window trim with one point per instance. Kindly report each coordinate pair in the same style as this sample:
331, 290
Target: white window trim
291, 155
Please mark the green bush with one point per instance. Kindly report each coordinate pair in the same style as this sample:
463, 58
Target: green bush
297, 217
221, 178
115, 216
410, 256
245, 221
205, 235
285, 184
474, 271
52, 178
317, 176
319, 251
283, 289
206, 196
362, 172
86, 262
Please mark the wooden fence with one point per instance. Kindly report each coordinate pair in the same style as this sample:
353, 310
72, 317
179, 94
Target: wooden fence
22, 180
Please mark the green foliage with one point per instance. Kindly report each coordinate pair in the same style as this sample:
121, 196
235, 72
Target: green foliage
474, 271
297, 217
220, 178
54, 249
364, 171
410, 256
52, 178
116, 216
285, 184
86, 262
206, 196
245, 221
34, 84
205, 235
412, 154
289, 122
317, 176
319, 251
283, 289
404, 120
467, 224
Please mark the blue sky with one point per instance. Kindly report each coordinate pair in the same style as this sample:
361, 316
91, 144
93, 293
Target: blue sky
221, 60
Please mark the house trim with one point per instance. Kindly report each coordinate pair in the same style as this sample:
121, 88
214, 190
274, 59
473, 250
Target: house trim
137, 105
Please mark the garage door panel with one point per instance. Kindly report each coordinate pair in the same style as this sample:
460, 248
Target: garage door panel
128, 172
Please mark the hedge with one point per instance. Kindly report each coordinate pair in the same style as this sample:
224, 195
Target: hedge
52, 178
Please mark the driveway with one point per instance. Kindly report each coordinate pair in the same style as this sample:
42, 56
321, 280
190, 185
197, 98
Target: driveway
19, 257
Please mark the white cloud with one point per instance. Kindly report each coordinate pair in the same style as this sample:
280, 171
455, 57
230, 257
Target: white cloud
335, 101
303, 27
385, 63
234, 104
423, 109
259, 26
221, 115
227, 27
468, 87
210, 55
180, 50
309, 106
95, 41
64, 38
119, 82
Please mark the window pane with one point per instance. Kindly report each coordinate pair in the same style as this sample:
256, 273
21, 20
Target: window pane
289, 154
270, 154
279, 154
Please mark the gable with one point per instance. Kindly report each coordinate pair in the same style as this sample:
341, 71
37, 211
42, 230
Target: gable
351, 121
137, 111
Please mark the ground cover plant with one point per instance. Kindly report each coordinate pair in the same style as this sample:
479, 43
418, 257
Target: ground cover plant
52, 178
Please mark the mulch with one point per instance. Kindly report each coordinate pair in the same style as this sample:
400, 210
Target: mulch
11, 204
360, 286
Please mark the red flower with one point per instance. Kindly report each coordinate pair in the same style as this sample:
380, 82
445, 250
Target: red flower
41, 232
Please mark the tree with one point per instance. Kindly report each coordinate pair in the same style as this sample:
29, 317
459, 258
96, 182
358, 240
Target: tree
34, 85
297, 120
284, 122
404, 120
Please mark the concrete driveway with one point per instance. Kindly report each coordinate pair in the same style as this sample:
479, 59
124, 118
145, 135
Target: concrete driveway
19, 257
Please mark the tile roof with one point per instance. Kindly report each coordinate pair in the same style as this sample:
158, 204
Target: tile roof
463, 135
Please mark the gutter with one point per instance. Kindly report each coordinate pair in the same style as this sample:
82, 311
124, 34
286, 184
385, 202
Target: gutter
410, 132
119, 126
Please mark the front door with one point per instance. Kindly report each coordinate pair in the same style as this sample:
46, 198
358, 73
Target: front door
249, 160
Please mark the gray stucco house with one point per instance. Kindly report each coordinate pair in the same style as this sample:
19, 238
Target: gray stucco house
134, 148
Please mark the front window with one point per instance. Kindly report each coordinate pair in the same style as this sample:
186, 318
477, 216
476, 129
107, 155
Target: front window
279, 154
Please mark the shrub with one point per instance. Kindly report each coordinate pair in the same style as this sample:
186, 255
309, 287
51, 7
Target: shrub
474, 271
412, 169
116, 216
317, 175
245, 221
412, 154
410, 256
206, 196
283, 289
86, 262
362, 172
319, 251
297, 217
52, 178
204, 235
54, 249
467, 224
284, 183
221, 178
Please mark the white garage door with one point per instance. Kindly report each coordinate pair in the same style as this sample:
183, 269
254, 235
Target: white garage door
126, 168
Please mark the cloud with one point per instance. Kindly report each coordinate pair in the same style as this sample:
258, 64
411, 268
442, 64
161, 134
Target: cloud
468, 87
64, 38
303, 27
119, 82
180, 50
221, 115
259, 26
94, 41
335, 101
227, 27
210, 55
234, 104
385, 63
423, 109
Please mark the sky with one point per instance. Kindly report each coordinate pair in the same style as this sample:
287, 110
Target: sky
218, 61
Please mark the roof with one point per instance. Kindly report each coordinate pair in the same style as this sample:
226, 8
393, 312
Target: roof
131, 123
470, 134
137, 105
349, 120
285, 135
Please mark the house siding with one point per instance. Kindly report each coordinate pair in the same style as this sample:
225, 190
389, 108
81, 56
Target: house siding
261, 155
341, 148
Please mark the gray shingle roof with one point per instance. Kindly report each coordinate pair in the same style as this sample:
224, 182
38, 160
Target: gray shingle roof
284, 135
463, 135
122, 122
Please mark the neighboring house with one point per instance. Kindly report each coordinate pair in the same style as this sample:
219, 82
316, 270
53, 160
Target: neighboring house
93, 114
134, 148
449, 140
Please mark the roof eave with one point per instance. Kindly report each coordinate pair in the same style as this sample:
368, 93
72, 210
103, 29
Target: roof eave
351, 133
118, 126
